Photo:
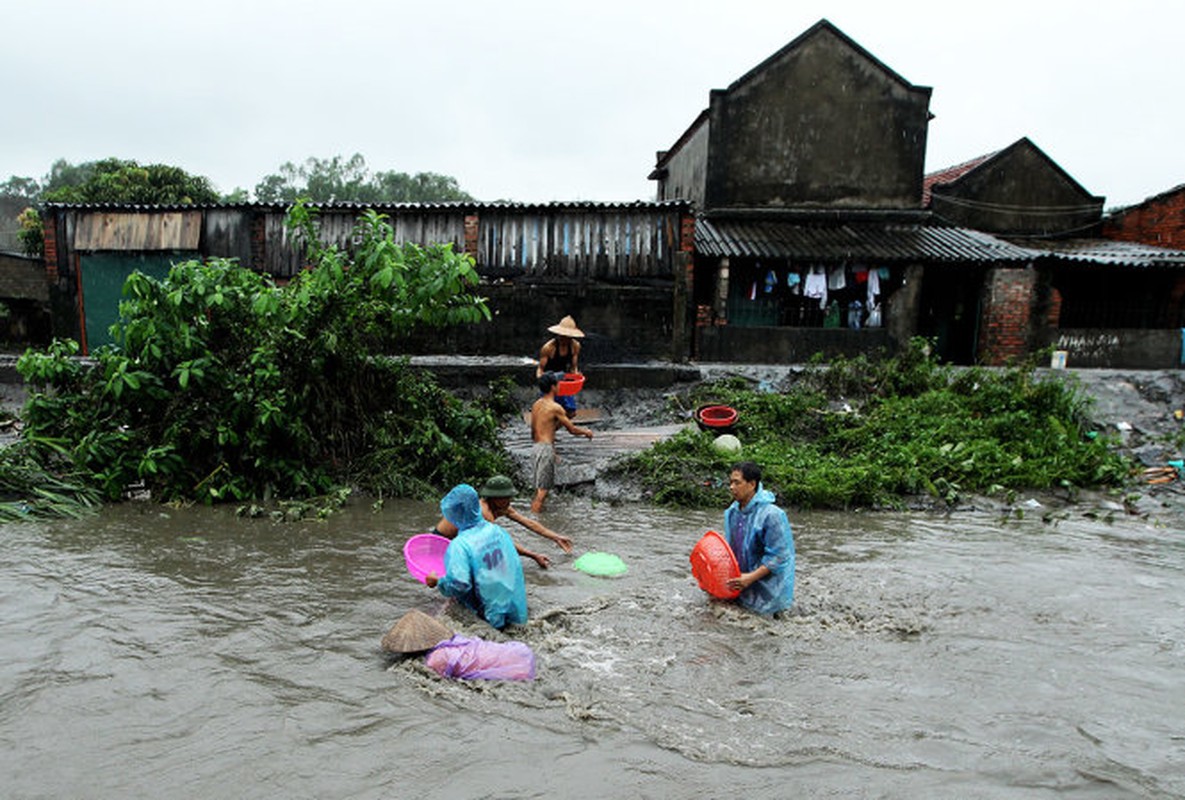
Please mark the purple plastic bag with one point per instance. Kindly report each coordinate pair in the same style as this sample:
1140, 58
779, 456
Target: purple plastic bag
477, 659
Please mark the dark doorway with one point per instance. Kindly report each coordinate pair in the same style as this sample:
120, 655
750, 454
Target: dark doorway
949, 311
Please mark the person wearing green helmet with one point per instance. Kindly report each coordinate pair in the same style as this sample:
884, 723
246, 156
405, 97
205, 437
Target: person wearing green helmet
497, 493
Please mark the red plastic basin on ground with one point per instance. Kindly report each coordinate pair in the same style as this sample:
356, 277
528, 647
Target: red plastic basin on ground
572, 383
713, 564
717, 416
424, 553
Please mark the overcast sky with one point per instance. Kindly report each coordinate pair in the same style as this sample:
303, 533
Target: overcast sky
540, 100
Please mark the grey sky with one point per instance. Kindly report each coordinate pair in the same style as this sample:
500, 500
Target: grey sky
531, 100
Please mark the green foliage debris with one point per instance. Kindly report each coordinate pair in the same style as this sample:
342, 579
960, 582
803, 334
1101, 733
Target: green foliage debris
864, 433
223, 386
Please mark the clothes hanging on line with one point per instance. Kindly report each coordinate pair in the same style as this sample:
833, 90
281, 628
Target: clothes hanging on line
816, 285
831, 318
855, 310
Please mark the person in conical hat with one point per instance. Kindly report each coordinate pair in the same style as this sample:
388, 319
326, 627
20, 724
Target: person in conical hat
415, 632
562, 355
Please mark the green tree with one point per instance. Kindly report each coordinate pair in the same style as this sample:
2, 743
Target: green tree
23, 190
110, 180
350, 180
31, 235
114, 180
224, 386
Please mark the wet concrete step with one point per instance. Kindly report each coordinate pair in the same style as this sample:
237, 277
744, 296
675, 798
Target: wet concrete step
580, 459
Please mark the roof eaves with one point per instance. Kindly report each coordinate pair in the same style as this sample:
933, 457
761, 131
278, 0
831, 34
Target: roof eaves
662, 161
355, 206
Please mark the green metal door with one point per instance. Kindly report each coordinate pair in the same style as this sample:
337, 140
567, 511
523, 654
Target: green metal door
103, 275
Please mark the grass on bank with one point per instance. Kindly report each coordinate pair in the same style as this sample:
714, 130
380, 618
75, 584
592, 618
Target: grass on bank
864, 433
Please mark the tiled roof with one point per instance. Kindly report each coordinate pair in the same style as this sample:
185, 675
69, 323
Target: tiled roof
1105, 252
949, 175
853, 240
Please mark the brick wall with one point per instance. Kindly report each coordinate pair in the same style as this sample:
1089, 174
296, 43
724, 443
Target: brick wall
472, 233
1158, 221
1005, 326
50, 251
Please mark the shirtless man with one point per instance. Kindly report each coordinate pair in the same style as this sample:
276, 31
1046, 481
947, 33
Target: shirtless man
496, 496
546, 418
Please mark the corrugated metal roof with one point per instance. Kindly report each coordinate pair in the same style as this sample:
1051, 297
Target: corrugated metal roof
353, 206
853, 241
1106, 252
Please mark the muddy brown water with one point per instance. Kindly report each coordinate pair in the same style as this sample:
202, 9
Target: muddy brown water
192, 654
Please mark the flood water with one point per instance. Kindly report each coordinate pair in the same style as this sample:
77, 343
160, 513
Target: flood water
188, 653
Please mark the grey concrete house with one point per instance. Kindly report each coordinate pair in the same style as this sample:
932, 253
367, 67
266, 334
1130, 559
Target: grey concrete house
806, 174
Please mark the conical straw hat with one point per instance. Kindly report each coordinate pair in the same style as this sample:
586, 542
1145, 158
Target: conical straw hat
414, 632
567, 327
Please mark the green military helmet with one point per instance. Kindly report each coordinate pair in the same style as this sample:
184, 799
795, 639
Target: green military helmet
498, 486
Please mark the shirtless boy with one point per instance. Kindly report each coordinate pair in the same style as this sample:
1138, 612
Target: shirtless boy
546, 418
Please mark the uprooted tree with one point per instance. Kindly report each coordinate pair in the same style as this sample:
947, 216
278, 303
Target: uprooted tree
224, 386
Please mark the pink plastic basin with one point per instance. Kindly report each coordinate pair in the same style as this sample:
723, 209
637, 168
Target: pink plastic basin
424, 553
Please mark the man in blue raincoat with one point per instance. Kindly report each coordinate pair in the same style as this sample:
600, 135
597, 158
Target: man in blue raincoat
481, 567
760, 537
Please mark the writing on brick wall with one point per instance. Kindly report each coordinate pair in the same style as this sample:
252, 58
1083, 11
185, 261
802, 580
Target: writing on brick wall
1088, 345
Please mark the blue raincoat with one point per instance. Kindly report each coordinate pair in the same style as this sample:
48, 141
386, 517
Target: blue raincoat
481, 567
760, 534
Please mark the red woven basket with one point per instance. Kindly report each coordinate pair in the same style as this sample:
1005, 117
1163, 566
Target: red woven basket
712, 564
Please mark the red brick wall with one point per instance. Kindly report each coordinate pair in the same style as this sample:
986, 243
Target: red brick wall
258, 242
1159, 221
50, 251
1005, 323
472, 232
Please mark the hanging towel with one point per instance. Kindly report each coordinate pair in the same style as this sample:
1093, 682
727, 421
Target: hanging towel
874, 286
836, 279
816, 285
